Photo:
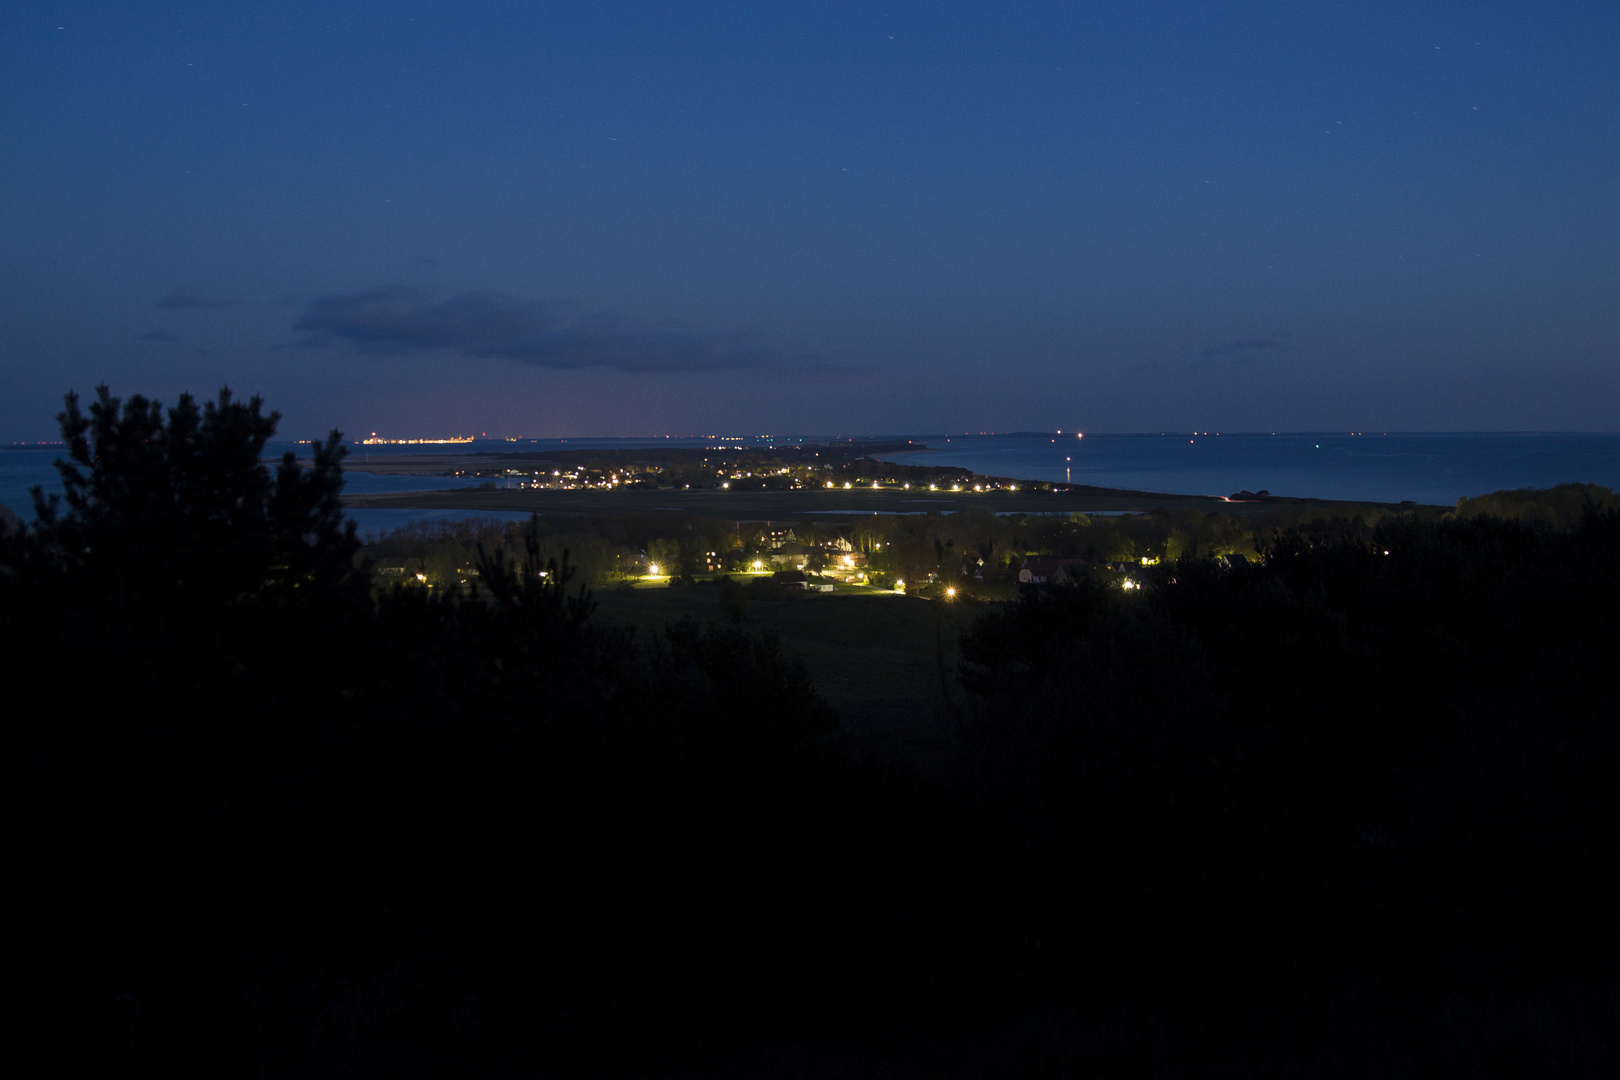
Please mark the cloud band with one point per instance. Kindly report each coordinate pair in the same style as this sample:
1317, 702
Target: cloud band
395, 322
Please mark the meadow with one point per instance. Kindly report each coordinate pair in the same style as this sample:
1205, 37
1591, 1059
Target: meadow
885, 661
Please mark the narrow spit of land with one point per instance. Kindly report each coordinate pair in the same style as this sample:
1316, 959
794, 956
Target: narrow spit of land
760, 498
785, 505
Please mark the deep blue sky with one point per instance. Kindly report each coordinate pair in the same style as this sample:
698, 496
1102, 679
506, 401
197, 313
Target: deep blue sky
603, 218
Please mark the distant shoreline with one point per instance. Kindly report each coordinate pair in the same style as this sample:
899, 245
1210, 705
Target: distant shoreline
783, 505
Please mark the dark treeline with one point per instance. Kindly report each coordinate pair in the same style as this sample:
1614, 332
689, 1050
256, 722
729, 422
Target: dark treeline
600, 548
1347, 809
1563, 506
960, 548
1392, 757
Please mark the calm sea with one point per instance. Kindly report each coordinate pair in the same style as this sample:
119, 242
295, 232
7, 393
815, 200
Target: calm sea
1423, 468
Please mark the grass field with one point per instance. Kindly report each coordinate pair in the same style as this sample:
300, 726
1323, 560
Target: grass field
886, 662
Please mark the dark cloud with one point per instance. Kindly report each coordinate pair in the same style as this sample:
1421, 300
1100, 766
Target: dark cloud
190, 298
158, 335
1247, 346
395, 322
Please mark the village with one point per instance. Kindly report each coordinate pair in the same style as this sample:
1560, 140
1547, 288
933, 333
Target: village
831, 468
820, 566
974, 554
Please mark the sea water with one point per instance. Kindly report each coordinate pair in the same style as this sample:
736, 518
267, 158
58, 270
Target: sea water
1431, 468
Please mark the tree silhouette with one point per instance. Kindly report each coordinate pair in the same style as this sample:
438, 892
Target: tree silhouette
182, 509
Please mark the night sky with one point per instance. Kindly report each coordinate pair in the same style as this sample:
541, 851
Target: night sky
550, 219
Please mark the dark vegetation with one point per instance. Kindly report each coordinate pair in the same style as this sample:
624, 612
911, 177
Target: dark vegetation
1563, 506
1346, 809
959, 548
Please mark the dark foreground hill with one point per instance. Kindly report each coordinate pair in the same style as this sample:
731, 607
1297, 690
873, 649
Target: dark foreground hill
1349, 809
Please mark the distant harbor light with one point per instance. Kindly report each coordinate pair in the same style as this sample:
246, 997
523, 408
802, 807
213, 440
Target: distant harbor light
376, 441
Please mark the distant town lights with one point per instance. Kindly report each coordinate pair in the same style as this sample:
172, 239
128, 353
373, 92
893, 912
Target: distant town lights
375, 441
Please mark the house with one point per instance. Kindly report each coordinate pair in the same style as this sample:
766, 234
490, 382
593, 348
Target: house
1044, 571
790, 554
791, 580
